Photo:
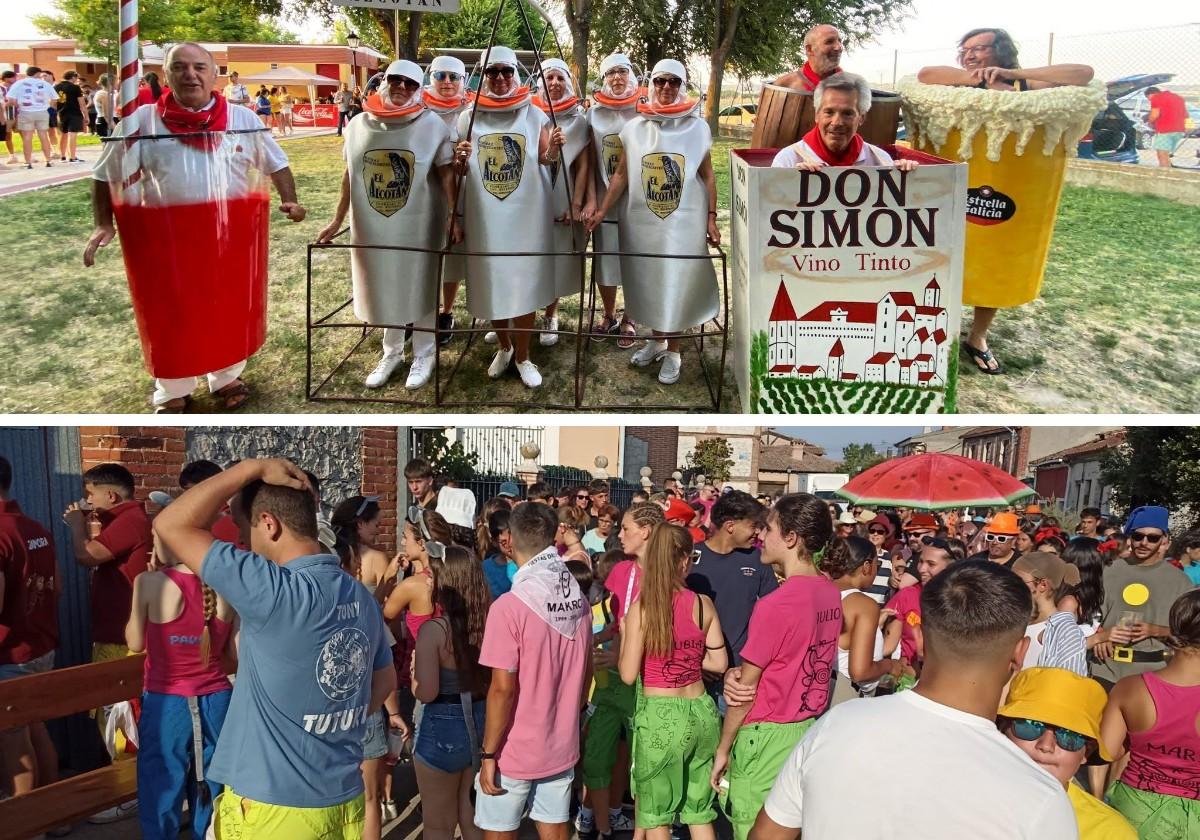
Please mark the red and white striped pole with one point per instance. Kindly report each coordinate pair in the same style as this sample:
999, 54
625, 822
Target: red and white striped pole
129, 57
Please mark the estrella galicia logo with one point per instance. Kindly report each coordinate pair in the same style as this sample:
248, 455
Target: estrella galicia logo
988, 206
343, 664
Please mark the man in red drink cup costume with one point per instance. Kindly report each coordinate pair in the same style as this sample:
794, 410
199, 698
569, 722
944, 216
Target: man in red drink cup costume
186, 181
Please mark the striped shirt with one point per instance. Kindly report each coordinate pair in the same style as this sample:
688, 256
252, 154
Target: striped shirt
1064, 644
880, 590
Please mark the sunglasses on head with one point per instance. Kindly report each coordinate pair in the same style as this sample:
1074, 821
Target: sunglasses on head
672, 81
1142, 536
416, 518
1000, 538
362, 506
936, 542
506, 72
408, 83
1031, 730
446, 75
880, 531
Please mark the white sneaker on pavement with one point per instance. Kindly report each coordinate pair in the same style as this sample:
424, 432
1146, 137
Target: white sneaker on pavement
500, 362
489, 337
585, 823
384, 370
619, 821
549, 339
668, 374
115, 814
530, 375
390, 811
648, 353
419, 373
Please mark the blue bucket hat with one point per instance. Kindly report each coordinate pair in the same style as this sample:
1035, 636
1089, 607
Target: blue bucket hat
1148, 516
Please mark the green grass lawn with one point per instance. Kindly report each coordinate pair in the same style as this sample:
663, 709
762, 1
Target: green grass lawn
1108, 334
19, 144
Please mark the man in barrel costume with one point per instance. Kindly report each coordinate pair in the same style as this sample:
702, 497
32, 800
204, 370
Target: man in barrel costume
399, 188
185, 185
822, 56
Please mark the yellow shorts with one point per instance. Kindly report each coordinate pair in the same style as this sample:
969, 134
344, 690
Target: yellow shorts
236, 818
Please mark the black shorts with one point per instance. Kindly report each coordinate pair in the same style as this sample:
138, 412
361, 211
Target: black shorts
53, 118
70, 122
3, 131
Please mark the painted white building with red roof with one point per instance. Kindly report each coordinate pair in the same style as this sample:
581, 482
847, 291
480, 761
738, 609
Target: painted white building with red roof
895, 339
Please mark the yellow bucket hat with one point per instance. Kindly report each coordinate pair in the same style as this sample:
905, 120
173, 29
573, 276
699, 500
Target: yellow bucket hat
1060, 698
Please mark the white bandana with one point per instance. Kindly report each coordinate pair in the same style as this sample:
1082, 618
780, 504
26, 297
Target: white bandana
547, 587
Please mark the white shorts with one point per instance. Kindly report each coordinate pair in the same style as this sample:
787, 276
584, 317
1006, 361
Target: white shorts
548, 800
33, 121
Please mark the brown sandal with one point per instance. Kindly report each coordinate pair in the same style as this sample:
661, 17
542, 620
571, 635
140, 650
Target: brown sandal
604, 328
234, 395
628, 332
179, 405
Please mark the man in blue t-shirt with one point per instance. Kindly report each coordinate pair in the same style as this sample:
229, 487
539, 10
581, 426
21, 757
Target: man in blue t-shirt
313, 663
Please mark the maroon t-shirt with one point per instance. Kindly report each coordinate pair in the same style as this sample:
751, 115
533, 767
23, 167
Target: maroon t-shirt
125, 532
29, 613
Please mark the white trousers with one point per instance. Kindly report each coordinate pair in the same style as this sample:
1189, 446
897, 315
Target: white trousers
166, 390
424, 343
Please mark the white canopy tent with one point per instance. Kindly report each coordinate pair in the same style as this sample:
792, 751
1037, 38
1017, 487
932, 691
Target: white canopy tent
289, 75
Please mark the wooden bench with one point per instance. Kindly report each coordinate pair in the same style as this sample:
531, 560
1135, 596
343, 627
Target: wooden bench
55, 694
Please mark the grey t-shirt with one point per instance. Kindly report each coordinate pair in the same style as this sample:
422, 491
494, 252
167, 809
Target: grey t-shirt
1149, 590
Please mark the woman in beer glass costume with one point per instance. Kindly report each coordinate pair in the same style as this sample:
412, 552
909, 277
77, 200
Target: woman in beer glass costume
671, 209
612, 107
558, 92
506, 207
445, 95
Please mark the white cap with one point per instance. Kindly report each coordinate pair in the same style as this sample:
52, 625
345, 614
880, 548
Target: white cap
448, 62
670, 67
847, 518
457, 506
407, 69
556, 64
615, 60
499, 55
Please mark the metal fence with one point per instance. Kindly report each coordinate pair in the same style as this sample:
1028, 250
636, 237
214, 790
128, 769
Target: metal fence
498, 447
487, 486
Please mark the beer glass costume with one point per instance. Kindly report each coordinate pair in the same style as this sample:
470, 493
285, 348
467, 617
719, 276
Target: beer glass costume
1016, 145
607, 116
566, 237
454, 267
396, 198
506, 207
190, 194
665, 211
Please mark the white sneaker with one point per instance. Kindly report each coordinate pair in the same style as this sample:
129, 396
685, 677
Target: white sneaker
116, 813
500, 362
649, 353
419, 373
619, 821
390, 811
668, 374
585, 823
489, 337
383, 371
549, 339
529, 374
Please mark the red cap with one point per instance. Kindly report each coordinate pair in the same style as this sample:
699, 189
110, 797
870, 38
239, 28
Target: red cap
679, 512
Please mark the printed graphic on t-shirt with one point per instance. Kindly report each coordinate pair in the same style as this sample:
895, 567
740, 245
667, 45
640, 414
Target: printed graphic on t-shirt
501, 163
343, 664
662, 182
389, 176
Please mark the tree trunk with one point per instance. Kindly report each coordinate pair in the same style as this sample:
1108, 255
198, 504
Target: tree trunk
579, 21
413, 43
723, 34
716, 76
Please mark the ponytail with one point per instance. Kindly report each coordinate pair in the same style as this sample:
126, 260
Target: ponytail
210, 610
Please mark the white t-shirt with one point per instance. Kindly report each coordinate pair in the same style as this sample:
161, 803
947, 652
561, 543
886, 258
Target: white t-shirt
869, 156
33, 94
971, 781
237, 94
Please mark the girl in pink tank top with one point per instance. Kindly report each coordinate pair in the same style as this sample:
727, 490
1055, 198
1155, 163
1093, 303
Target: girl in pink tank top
426, 535
184, 627
670, 636
1158, 715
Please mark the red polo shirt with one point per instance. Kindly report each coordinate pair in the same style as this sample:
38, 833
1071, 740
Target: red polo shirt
125, 532
29, 613
1172, 112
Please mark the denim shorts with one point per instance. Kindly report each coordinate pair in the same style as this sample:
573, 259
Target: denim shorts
374, 741
548, 800
41, 665
443, 742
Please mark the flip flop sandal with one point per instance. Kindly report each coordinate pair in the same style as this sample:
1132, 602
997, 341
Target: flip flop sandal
986, 357
628, 332
604, 329
234, 395
179, 405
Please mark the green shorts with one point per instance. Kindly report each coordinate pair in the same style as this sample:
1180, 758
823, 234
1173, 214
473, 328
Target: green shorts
614, 712
236, 818
1167, 141
1156, 816
757, 757
674, 740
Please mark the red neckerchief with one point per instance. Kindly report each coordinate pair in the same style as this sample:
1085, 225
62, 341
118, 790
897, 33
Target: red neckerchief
811, 77
181, 120
375, 106
558, 107
846, 158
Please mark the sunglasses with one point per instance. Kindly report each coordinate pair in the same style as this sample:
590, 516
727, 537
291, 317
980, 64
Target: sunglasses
999, 538
583, 498
880, 531
408, 83
672, 81
362, 506
506, 72
936, 542
446, 75
1031, 730
1142, 536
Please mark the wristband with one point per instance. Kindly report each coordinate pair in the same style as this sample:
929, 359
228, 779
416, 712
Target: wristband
486, 756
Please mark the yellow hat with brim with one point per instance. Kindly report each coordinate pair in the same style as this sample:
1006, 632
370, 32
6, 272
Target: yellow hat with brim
1060, 698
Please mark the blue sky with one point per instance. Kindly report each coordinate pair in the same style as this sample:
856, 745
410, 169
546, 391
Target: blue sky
834, 438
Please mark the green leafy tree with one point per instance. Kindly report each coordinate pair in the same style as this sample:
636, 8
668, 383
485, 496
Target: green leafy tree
451, 460
1157, 465
857, 457
713, 457
95, 25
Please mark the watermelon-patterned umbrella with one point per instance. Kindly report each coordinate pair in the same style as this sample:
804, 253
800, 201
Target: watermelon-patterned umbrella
934, 481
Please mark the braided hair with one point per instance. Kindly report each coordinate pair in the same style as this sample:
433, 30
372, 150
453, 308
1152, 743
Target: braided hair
210, 611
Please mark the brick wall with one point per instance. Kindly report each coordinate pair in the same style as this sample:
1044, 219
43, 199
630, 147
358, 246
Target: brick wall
154, 454
379, 478
662, 450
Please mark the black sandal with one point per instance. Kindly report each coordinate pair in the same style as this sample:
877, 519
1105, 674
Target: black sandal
984, 356
179, 405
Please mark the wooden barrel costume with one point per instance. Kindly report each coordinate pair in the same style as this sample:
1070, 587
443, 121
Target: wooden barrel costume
786, 114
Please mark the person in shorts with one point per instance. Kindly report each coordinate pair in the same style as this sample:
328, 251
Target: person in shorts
1168, 117
32, 97
71, 116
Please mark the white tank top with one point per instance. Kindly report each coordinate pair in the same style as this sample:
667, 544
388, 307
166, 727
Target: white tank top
844, 655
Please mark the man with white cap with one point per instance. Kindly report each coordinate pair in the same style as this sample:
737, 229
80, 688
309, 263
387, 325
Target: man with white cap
671, 211
506, 208
446, 96
399, 180
613, 106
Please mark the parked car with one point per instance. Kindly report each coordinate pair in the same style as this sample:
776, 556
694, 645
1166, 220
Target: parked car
741, 114
1120, 129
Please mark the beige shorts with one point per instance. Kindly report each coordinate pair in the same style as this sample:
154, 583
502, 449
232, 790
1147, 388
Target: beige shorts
33, 121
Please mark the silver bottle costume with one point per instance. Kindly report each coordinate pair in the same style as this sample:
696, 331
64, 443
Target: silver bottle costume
567, 268
455, 266
396, 198
506, 207
606, 124
665, 211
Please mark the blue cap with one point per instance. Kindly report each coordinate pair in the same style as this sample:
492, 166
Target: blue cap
1148, 516
510, 489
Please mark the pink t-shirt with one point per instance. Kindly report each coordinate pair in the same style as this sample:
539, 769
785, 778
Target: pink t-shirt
625, 583
793, 637
543, 739
907, 604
